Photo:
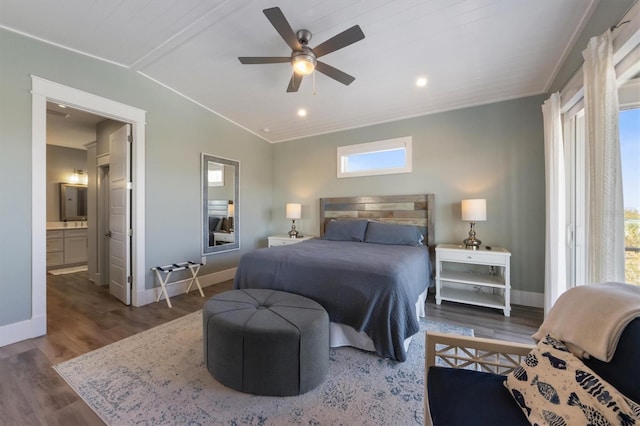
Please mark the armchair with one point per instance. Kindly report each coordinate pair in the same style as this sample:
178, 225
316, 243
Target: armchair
466, 388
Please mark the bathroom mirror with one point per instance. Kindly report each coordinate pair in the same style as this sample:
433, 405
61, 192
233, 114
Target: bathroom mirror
220, 204
73, 201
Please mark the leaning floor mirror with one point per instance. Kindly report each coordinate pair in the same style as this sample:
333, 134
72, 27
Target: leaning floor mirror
220, 204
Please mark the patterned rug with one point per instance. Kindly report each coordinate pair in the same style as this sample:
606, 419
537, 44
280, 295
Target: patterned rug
158, 377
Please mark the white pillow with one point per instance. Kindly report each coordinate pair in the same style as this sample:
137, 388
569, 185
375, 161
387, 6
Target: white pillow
552, 386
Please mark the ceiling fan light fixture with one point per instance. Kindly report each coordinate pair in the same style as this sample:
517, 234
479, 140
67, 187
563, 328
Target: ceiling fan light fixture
303, 58
304, 64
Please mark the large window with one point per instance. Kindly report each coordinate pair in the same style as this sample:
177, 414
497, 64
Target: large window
375, 158
629, 125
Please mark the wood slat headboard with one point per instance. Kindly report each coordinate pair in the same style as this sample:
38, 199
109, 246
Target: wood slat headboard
399, 209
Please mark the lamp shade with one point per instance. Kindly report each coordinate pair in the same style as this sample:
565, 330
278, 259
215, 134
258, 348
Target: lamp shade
294, 211
474, 210
231, 210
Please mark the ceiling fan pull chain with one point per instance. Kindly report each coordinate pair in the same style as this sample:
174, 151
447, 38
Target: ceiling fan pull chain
314, 83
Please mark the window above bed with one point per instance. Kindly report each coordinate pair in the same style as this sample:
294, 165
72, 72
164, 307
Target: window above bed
375, 158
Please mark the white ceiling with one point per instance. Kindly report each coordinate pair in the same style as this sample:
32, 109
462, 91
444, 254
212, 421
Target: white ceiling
471, 51
70, 127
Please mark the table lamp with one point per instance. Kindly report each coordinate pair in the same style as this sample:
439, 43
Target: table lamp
294, 211
473, 211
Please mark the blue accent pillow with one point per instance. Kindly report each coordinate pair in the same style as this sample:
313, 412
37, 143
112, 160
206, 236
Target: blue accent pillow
387, 233
346, 230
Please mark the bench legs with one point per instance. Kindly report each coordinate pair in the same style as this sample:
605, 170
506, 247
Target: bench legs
163, 287
194, 272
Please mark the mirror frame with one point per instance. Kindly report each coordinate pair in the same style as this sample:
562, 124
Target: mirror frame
63, 201
204, 182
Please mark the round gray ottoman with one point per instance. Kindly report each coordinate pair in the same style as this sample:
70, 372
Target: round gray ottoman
266, 342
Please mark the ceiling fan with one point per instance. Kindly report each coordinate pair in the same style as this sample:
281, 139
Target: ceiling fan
303, 58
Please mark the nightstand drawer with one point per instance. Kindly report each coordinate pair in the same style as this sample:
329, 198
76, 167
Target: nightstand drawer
276, 242
284, 240
468, 256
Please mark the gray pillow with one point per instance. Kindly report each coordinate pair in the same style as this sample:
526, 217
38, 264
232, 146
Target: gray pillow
346, 230
387, 233
214, 223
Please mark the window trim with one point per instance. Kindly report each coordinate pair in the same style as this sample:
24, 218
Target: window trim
575, 151
370, 147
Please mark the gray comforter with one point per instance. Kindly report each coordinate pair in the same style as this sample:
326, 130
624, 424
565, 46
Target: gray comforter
370, 287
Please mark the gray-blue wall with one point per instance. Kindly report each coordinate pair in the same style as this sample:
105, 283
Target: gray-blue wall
493, 151
177, 132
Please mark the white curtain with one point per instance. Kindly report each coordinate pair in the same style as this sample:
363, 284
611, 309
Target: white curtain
605, 211
555, 273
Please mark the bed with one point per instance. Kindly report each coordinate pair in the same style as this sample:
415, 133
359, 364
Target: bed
366, 270
219, 222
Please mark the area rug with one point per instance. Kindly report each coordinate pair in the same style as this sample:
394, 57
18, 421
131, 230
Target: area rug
158, 377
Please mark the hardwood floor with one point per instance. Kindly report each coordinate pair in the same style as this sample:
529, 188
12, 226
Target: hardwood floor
82, 317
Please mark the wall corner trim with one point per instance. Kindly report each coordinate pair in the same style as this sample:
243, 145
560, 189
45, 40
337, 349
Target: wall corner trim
23, 330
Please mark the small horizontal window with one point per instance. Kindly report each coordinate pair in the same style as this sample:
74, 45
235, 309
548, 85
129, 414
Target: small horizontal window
375, 158
216, 174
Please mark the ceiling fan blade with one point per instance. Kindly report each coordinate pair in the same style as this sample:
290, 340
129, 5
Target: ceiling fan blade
339, 41
294, 83
280, 23
264, 59
334, 73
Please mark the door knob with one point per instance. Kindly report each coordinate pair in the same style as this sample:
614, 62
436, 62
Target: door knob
108, 234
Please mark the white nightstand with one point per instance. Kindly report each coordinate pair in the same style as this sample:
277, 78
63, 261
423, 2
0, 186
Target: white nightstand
223, 238
487, 285
283, 240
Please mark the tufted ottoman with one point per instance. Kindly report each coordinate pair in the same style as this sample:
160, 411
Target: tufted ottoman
266, 342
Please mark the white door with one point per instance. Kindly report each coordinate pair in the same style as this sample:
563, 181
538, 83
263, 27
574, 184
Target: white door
120, 214
103, 226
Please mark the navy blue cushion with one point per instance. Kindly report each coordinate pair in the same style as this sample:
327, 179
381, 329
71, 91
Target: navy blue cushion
346, 230
387, 233
623, 371
465, 397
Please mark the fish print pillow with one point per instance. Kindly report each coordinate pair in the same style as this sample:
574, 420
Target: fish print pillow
554, 387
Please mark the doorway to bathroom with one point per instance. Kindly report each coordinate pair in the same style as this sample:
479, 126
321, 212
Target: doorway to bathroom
44, 91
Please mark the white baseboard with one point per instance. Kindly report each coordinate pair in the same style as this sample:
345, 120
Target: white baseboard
180, 287
23, 330
527, 298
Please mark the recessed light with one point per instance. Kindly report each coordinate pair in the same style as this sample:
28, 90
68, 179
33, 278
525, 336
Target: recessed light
421, 81
62, 106
302, 112
265, 130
